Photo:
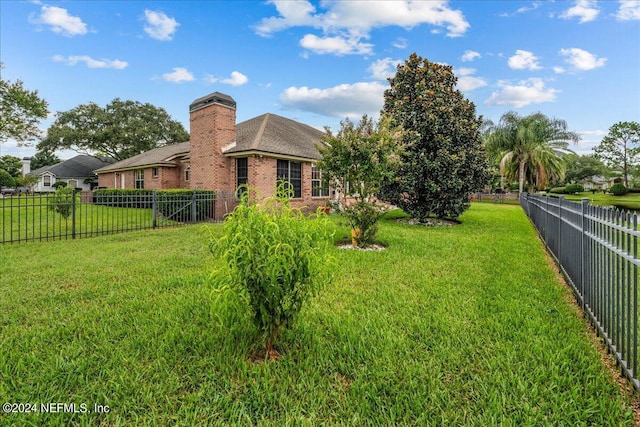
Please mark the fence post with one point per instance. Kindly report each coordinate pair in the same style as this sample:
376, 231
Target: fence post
583, 253
193, 207
560, 200
73, 213
154, 208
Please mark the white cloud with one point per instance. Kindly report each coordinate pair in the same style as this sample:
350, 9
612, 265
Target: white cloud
178, 75
236, 79
335, 45
524, 60
346, 100
345, 23
159, 26
467, 81
585, 10
60, 21
581, 60
559, 70
400, 43
629, 10
90, 62
531, 91
382, 69
470, 55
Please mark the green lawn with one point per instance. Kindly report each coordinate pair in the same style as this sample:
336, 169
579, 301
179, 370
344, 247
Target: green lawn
463, 325
628, 201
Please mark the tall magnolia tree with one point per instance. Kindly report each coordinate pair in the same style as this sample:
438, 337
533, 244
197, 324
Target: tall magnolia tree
531, 149
444, 159
620, 148
21, 111
120, 130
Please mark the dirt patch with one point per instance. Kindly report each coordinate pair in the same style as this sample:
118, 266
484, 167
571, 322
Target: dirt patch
358, 248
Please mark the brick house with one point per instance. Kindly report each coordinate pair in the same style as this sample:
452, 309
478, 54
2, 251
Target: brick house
221, 156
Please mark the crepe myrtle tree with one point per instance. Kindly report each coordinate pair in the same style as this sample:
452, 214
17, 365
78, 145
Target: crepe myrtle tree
356, 161
444, 159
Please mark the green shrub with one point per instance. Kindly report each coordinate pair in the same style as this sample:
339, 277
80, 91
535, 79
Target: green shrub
618, 189
62, 201
363, 217
59, 184
275, 259
557, 190
6, 180
573, 188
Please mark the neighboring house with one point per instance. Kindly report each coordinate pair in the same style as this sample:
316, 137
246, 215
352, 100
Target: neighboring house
77, 172
599, 182
221, 156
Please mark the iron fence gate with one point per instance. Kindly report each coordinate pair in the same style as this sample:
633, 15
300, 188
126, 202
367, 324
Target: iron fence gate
85, 214
596, 248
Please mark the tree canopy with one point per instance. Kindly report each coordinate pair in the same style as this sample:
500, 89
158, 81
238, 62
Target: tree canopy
43, 158
120, 130
582, 167
21, 111
11, 164
356, 161
619, 149
531, 149
444, 160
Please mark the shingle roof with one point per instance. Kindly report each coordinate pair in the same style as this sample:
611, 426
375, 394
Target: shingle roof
157, 156
273, 134
81, 166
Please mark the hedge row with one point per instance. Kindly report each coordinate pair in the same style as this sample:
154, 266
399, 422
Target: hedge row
172, 204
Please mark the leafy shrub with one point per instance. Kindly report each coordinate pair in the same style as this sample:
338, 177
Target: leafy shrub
618, 189
275, 259
573, 188
363, 217
59, 184
62, 201
6, 180
557, 190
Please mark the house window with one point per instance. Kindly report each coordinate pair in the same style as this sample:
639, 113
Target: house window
187, 173
318, 188
46, 181
139, 178
242, 173
291, 172
72, 183
154, 172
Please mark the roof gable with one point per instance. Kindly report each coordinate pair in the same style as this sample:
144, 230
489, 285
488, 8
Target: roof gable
81, 166
158, 156
277, 135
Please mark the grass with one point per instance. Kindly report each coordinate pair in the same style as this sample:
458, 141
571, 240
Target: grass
463, 325
629, 201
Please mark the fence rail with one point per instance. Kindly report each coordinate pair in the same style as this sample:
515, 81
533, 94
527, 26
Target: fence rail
596, 248
41, 217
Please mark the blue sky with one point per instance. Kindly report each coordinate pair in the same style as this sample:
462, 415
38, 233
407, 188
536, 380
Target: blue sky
319, 62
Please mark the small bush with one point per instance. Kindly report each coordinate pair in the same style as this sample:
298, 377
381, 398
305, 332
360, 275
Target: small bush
618, 189
557, 190
59, 184
6, 180
275, 259
62, 201
573, 188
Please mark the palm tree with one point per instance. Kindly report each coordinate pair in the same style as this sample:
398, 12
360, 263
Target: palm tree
530, 148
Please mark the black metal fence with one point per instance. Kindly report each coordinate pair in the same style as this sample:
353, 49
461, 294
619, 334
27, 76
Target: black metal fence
596, 248
51, 216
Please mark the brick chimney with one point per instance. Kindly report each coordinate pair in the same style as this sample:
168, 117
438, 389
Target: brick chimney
212, 127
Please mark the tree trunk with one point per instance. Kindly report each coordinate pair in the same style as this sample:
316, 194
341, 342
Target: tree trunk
521, 176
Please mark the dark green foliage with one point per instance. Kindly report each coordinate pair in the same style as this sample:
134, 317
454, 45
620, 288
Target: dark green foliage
620, 149
618, 189
20, 112
11, 164
444, 160
174, 204
59, 184
120, 130
275, 259
582, 167
62, 201
558, 190
573, 188
356, 161
43, 158
6, 180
